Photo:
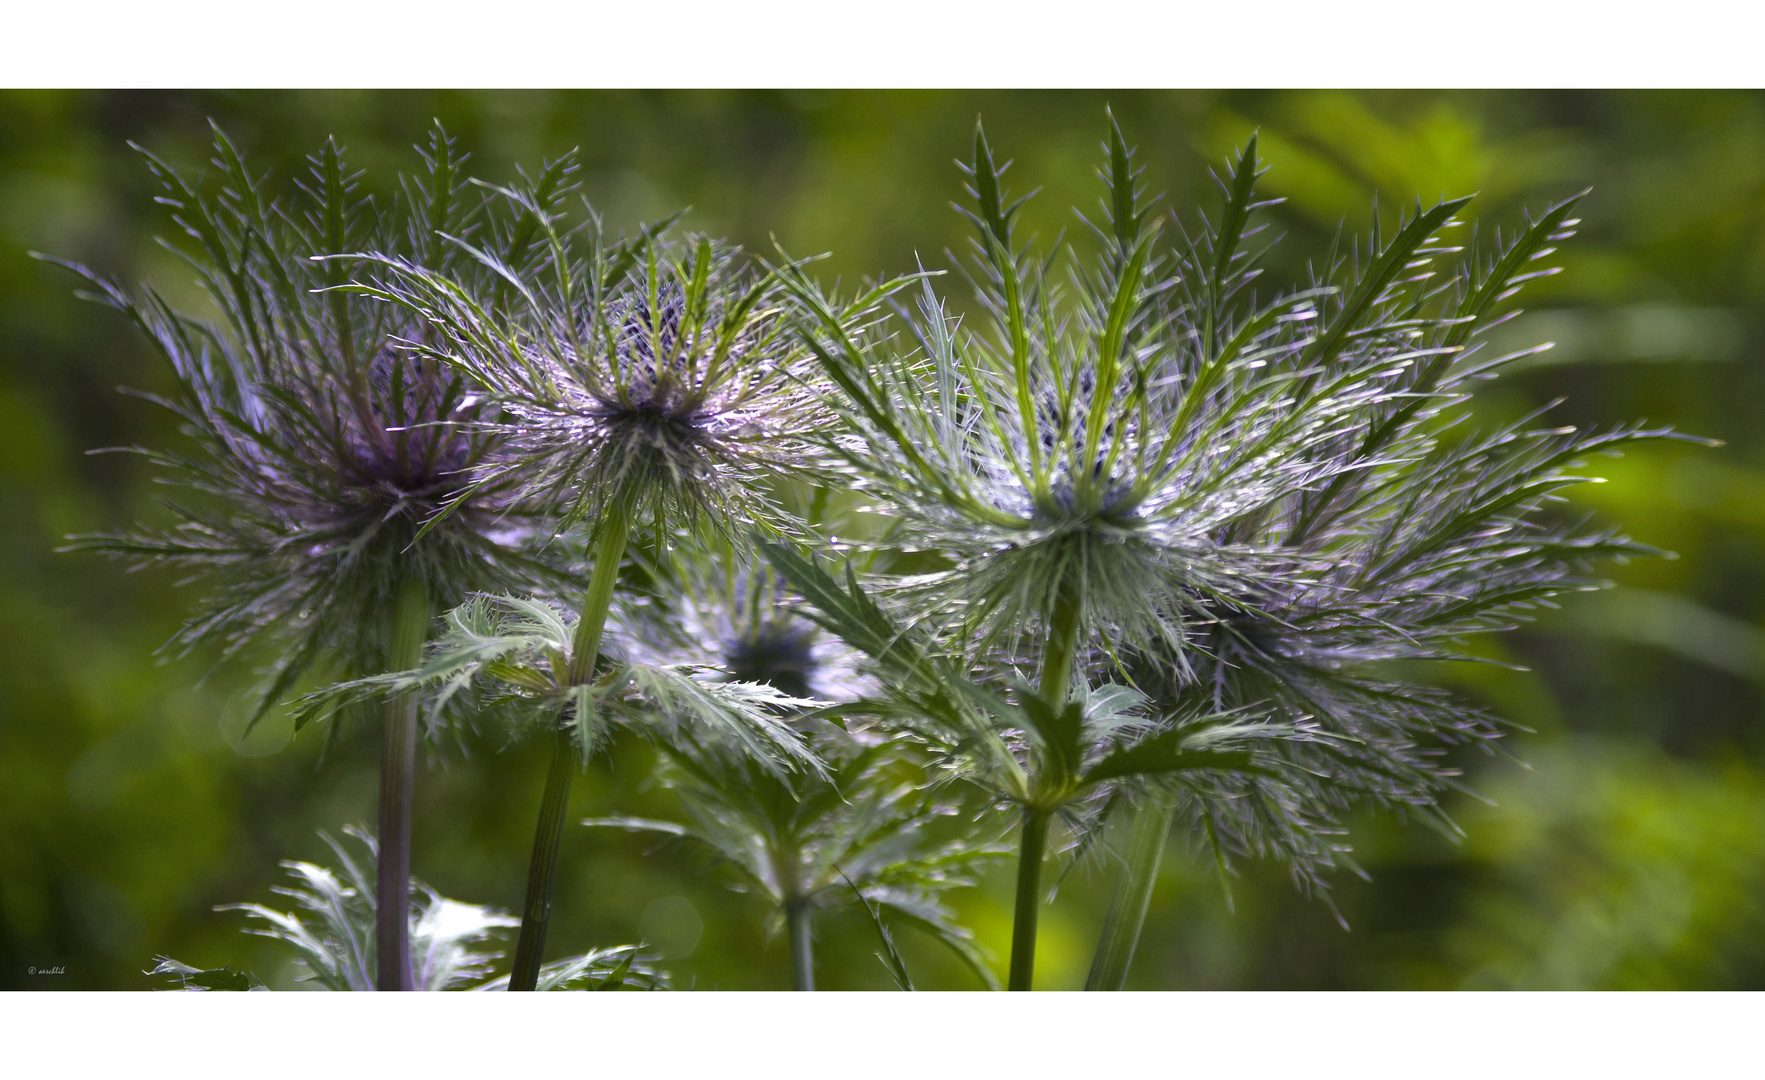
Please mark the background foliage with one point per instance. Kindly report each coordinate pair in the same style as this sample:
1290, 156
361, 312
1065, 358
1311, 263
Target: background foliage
1630, 854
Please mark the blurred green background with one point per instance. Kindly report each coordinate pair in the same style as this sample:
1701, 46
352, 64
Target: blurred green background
1628, 851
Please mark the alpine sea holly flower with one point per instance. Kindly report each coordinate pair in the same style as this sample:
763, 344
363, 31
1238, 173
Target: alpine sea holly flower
698, 609
645, 386
653, 382
1151, 474
1078, 482
1421, 535
322, 452
809, 841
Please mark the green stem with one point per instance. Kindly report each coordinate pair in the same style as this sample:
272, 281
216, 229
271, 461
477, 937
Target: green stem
1057, 661
398, 781
1062, 645
542, 868
1029, 899
796, 914
615, 531
1133, 893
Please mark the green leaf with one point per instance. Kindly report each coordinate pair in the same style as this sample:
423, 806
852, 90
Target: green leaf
221, 978
890, 956
1479, 301
620, 968
986, 188
616, 978
959, 940
1124, 214
751, 715
1164, 754
1237, 213
535, 201
1060, 733
623, 256
853, 616
1382, 273
1121, 312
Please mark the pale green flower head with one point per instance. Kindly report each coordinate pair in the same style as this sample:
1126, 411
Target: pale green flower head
1095, 441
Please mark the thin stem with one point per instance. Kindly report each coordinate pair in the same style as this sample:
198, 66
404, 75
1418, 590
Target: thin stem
536, 911
1133, 893
796, 915
1057, 661
1063, 643
1029, 899
398, 781
542, 869
615, 531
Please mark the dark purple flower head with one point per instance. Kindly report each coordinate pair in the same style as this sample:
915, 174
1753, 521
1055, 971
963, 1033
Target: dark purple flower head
651, 374
322, 446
